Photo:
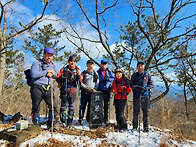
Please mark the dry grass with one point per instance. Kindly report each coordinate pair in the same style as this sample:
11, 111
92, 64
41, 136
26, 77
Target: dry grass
171, 115
165, 114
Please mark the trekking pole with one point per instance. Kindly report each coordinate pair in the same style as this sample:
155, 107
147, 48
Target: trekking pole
52, 104
78, 83
109, 109
46, 114
139, 111
65, 101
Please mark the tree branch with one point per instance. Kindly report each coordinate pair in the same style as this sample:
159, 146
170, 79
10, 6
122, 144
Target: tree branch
30, 24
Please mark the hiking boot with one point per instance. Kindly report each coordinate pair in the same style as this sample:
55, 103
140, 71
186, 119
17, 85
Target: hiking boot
135, 126
146, 129
79, 123
123, 130
69, 122
49, 126
105, 120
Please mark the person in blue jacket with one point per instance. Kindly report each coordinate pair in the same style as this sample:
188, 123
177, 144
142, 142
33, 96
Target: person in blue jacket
106, 78
41, 72
141, 83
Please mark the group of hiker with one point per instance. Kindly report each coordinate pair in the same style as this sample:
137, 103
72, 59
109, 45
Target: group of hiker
71, 83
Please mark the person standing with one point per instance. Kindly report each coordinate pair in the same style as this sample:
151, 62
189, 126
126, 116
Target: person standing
141, 83
69, 79
41, 72
105, 82
89, 85
120, 88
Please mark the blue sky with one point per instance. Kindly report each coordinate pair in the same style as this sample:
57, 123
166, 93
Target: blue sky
32, 8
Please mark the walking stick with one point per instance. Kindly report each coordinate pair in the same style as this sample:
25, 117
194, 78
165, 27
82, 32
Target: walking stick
52, 104
78, 83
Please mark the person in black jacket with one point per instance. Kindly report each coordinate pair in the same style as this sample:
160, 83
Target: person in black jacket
69, 77
141, 83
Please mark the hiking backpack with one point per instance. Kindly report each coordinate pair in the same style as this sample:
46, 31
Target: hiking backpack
95, 76
28, 74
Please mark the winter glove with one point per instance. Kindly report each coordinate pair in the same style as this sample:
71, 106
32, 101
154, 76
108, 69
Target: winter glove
65, 75
88, 89
127, 83
106, 79
124, 90
77, 77
142, 89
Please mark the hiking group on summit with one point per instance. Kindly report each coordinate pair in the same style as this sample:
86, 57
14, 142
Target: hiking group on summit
72, 83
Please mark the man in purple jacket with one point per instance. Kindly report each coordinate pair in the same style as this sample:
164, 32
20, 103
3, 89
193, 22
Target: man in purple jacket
41, 72
141, 83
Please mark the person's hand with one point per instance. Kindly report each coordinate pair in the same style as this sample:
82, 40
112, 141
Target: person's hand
49, 74
138, 86
106, 79
145, 89
77, 77
88, 89
93, 90
124, 90
51, 71
65, 75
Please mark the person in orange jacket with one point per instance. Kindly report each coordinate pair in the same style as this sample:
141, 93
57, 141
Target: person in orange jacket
120, 88
69, 78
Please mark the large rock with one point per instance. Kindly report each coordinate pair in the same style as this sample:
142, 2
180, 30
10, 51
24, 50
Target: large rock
18, 136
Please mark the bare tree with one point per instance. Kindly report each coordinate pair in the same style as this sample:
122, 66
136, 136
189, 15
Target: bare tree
159, 39
92, 15
163, 39
9, 29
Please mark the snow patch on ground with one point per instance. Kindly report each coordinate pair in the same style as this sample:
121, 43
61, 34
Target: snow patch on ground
154, 138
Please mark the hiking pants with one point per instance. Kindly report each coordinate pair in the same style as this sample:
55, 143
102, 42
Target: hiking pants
144, 104
85, 98
106, 99
37, 94
71, 98
119, 109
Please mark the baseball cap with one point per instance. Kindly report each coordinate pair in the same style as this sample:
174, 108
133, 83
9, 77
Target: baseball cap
140, 62
49, 50
90, 61
104, 61
118, 69
72, 57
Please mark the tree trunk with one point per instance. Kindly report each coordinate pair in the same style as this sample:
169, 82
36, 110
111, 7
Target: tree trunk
2, 65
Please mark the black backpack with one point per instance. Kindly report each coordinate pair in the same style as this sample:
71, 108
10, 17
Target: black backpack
28, 74
28, 77
95, 76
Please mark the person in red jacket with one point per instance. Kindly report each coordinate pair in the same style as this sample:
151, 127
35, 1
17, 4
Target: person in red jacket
120, 88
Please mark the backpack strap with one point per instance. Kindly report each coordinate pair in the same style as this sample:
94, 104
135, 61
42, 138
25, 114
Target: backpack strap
84, 75
95, 76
